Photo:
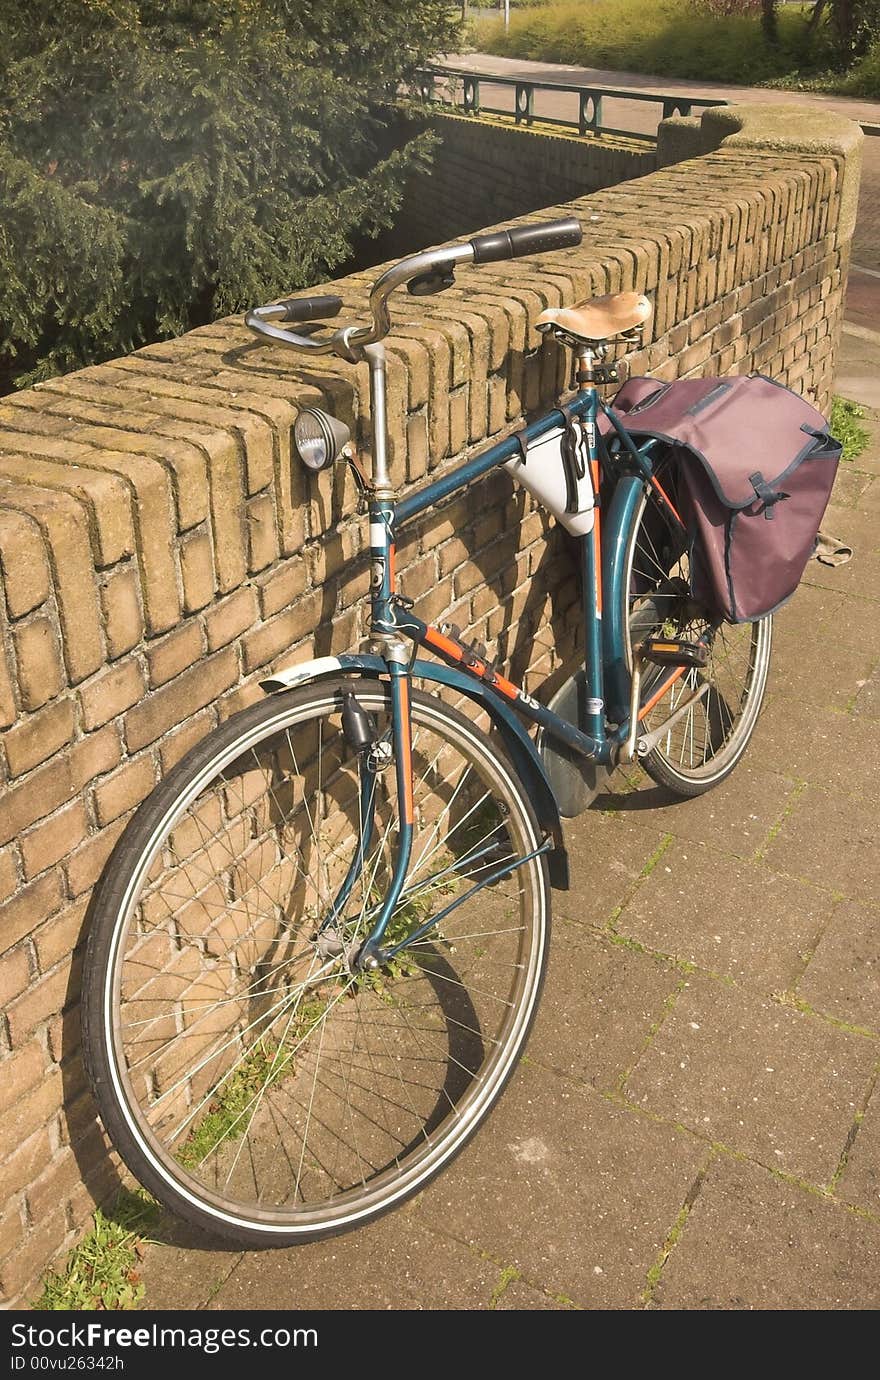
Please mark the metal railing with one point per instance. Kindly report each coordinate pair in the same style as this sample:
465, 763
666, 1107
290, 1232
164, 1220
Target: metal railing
441, 85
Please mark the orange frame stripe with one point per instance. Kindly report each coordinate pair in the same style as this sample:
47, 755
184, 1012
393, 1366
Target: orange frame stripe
454, 653
597, 538
658, 694
660, 489
406, 745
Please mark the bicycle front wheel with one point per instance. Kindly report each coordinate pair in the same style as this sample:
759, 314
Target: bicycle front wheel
716, 706
250, 1078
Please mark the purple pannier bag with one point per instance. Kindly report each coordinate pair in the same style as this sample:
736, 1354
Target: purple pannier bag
758, 464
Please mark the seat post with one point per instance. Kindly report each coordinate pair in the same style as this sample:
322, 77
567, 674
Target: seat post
584, 377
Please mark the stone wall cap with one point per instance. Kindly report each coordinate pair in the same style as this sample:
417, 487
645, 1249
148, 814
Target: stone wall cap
780, 128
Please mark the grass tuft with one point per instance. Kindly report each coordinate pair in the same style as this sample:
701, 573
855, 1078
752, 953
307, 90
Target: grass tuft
846, 425
101, 1273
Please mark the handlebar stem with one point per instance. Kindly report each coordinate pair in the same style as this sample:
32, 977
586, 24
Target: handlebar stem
381, 475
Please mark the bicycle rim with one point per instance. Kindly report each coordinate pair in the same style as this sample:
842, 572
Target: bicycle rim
250, 1079
705, 742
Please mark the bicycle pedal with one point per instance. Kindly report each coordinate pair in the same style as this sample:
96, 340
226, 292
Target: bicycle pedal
669, 652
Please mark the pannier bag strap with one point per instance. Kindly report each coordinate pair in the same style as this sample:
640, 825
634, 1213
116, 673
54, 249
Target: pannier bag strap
768, 496
573, 464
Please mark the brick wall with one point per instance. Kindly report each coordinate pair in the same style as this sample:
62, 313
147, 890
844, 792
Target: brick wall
160, 552
496, 169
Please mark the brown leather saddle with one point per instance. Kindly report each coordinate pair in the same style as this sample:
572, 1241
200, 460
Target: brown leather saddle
599, 318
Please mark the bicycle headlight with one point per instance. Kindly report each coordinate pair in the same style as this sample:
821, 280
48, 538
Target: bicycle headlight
319, 438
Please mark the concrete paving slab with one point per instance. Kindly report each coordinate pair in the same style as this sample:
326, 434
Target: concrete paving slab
857, 376
776, 1084
575, 1193
395, 1263
842, 978
753, 1241
728, 916
736, 815
184, 1267
815, 614
828, 749
851, 486
606, 855
866, 704
859, 528
860, 1181
831, 840
599, 1003
520, 1297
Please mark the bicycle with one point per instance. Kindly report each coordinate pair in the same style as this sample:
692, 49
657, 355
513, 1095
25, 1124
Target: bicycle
318, 947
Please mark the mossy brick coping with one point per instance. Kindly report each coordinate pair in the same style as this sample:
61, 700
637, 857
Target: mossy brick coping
160, 551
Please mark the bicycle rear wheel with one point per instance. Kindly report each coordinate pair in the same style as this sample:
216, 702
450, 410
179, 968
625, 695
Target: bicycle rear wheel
248, 1077
703, 745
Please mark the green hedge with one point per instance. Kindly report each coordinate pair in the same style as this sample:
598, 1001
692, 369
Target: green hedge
661, 37
163, 162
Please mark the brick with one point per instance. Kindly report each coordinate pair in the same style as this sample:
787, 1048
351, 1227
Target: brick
8, 873
263, 644
29, 907
103, 497
100, 1189
178, 743
54, 1185
24, 1164
43, 999
29, 1110
174, 703
93, 755
39, 736
22, 1071
85, 865
124, 790
261, 533
111, 692
15, 974
58, 937
174, 653
8, 710
197, 572
19, 1272
40, 670
280, 588
231, 617
12, 1229
23, 562
64, 522
78, 1118
122, 614
108, 498
51, 840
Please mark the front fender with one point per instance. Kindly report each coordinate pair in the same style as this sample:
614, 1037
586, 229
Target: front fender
519, 745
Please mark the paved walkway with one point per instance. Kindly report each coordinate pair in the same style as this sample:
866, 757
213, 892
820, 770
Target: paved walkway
642, 117
696, 1124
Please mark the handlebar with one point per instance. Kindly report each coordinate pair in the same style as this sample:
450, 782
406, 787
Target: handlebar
425, 273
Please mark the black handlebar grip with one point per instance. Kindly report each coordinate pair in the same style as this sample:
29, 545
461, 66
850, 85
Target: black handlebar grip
310, 308
538, 238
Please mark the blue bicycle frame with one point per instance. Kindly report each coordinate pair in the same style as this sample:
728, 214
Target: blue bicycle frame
395, 628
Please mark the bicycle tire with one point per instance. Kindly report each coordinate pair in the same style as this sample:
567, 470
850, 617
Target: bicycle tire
703, 747
159, 954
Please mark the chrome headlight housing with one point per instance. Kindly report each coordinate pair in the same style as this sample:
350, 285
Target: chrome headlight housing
319, 438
